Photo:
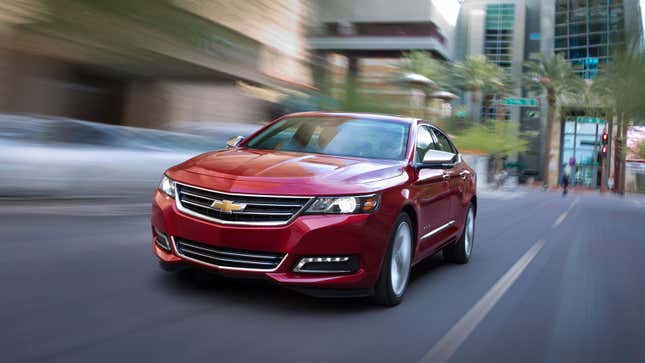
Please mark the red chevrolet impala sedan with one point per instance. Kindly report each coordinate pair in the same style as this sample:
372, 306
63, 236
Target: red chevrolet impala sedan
330, 204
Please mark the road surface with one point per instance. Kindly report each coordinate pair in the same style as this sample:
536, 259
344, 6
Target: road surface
551, 279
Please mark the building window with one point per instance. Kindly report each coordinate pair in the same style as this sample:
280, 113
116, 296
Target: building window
561, 5
561, 42
500, 19
577, 28
578, 53
586, 30
598, 38
578, 41
561, 30
580, 146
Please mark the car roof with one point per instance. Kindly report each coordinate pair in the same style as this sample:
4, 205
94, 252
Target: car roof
373, 116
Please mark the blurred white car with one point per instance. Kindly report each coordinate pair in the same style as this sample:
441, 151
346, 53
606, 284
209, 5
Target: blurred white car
63, 158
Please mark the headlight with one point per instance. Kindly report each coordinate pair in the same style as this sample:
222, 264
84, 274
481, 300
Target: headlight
344, 205
167, 186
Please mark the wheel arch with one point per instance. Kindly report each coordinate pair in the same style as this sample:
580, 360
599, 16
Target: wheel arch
473, 200
412, 213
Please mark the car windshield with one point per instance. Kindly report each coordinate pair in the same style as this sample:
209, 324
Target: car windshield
341, 136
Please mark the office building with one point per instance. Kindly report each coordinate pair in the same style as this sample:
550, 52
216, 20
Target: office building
496, 29
586, 33
363, 40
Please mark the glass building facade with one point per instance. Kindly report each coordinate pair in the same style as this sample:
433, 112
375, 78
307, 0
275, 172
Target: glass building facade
498, 40
581, 143
498, 47
586, 31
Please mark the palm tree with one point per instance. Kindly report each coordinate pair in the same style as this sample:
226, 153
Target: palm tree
472, 75
501, 84
423, 63
554, 75
431, 75
620, 84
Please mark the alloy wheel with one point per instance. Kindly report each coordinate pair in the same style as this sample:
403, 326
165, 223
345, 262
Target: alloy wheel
469, 232
401, 256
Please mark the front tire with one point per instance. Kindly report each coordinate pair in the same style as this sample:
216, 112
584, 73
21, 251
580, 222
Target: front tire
460, 251
395, 269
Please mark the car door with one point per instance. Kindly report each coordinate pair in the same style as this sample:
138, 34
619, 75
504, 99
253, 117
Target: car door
456, 175
432, 190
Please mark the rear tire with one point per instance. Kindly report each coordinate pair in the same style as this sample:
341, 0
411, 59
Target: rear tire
460, 251
397, 262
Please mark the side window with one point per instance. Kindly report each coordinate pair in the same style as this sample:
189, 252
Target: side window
425, 142
443, 144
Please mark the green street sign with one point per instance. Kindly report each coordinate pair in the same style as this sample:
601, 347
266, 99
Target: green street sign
521, 102
461, 114
589, 120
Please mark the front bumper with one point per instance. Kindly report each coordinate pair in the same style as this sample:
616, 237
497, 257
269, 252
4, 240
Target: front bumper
364, 236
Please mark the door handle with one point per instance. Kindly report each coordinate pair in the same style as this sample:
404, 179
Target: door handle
464, 174
446, 177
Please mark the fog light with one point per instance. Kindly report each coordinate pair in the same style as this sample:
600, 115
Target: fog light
327, 264
162, 240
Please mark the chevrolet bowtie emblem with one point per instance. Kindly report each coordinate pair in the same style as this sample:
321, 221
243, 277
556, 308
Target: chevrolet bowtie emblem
226, 206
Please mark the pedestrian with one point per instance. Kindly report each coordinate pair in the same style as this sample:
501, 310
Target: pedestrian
565, 181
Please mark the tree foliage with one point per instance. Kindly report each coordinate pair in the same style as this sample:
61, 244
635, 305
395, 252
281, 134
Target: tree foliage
641, 149
622, 86
425, 64
554, 74
493, 137
474, 75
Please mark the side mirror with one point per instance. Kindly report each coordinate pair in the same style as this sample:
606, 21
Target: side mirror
234, 141
437, 158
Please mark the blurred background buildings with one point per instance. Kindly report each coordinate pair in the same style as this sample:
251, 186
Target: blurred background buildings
150, 63
360, 43
188, 64
585, 33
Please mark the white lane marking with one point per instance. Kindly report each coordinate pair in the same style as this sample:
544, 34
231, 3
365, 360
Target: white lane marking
565, 214
455, 337
575, 201
560, 219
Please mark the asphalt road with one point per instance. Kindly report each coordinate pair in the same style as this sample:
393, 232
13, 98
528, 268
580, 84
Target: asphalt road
552, 279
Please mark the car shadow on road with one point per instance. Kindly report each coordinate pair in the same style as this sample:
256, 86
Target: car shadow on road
427, 267
254, 293
263, 294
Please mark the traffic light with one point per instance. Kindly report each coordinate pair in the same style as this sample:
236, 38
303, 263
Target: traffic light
605, 141
605, 138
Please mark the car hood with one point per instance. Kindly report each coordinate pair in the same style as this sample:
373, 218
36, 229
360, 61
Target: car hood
287, 173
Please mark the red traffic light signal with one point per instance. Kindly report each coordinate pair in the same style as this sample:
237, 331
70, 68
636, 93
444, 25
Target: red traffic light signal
605, 138
603, 150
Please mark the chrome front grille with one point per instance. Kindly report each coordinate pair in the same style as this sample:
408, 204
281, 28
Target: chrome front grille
228, 258
243, 209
